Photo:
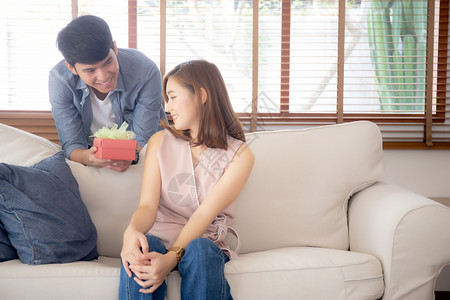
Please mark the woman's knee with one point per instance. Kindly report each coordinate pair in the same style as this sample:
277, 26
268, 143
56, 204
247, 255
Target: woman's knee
155, 244
202, 245
202, 251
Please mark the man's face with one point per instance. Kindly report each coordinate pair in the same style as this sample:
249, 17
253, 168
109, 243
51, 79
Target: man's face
101, 76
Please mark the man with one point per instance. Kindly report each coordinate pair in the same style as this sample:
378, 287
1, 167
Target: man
98, 84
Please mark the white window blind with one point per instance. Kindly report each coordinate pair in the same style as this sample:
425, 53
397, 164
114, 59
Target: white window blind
287, 63
172, 32
115, 13
27, 51
314, 57
354, 60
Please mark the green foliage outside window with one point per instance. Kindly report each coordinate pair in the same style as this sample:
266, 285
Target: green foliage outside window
397, 36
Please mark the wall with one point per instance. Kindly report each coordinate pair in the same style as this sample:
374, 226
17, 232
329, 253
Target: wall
426, 172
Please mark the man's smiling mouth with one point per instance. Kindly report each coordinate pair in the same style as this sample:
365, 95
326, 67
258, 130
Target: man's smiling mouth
105, 83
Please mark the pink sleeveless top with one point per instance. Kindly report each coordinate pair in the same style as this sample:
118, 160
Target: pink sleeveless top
184, 188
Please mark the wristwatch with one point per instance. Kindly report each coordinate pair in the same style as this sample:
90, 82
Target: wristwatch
136, 160
179, 251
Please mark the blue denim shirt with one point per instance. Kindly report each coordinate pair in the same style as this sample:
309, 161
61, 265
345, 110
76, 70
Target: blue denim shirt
137, 100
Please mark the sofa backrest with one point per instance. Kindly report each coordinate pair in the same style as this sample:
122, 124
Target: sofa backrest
23, 148
296, 195
111, 198
298, 190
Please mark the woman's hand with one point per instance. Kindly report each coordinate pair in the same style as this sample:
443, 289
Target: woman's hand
134, 247
151, 276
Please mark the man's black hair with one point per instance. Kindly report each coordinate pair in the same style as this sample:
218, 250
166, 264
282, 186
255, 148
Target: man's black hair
86, 40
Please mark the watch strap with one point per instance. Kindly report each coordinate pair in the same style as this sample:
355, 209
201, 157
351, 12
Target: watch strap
179, 251
136, 160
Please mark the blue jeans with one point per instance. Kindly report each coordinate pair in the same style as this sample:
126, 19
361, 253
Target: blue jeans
201, 270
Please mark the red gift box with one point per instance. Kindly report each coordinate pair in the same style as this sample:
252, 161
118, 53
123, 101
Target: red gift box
115, 149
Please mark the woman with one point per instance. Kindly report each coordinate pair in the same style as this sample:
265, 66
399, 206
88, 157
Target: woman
193, 172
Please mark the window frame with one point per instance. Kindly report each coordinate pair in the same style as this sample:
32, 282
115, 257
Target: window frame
255, 121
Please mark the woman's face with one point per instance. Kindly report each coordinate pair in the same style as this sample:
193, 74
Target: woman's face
182, 106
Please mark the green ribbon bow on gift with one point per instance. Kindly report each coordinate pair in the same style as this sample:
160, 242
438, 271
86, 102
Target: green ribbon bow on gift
115, 132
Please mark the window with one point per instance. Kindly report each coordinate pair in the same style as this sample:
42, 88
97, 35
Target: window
27, 51
313, 62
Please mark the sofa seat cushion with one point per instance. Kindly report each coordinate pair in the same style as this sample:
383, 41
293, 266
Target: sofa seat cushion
288, 273
300, 273
96, 279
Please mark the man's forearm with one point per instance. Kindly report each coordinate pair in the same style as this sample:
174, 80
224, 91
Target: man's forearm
81, 155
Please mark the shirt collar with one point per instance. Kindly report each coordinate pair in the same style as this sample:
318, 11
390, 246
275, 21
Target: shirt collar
120, 84
81, 85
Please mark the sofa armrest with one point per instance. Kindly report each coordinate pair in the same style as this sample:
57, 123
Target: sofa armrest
409, 233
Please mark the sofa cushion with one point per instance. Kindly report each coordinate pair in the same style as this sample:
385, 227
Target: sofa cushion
23, 148
299, 273
96, 279
298, 190
303, 273
42, 212
306, 273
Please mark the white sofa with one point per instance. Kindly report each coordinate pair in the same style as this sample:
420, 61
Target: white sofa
315, 222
